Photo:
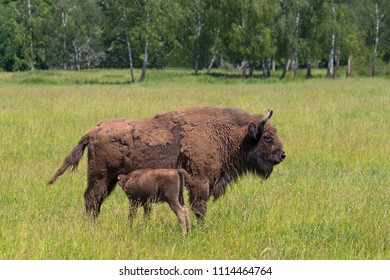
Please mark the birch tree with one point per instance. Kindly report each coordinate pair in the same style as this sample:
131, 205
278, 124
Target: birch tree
126, 23
329, 72
86, 34
296, 9
214, 13
351, 36
311, 30
30, 32
199, 11
30, 36
378, 16
120, 18
288, 34
146, 8
25, 12
62, 17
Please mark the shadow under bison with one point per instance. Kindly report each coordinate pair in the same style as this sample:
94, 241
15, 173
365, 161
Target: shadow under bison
214, 145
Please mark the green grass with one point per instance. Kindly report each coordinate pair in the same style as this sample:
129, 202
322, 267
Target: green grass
329, 200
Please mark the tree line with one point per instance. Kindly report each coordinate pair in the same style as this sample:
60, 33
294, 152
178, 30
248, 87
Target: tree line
201, 34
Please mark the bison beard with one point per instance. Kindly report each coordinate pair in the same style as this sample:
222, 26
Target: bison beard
214, 145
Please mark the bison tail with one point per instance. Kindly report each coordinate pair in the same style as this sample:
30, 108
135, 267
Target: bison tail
73, 159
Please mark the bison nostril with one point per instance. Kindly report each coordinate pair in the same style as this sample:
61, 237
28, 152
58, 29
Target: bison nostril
283, 156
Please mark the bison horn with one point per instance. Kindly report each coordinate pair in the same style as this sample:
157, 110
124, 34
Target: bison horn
264, 120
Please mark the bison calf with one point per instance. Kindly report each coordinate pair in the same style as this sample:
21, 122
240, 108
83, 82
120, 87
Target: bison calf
145, 186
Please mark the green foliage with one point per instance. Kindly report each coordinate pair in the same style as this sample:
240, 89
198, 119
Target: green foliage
328, 200
70, 34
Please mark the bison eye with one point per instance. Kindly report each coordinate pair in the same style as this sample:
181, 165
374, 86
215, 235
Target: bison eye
268, 138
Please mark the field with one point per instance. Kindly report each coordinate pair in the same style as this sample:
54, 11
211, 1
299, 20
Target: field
330, 199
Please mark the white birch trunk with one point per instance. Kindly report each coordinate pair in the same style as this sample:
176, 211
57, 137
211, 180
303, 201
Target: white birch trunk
337, 63
244, 66
331, 57
199, 32
308, 69
63, 29
63, 25
64, 20
210, 65
285, 68
30, 31
377, 18
296, 30
295, 65
129, 54
128, 43
332, 44
145, 61
263, 67
349, 66
77, 55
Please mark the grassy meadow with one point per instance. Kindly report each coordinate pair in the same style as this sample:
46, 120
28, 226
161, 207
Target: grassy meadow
330, 199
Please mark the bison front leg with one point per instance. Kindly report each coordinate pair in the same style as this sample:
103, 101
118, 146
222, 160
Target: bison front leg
199, 194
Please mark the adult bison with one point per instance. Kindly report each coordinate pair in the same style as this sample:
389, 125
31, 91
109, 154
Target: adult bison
214, 145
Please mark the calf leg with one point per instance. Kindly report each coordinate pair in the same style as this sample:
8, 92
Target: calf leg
188, 224
147, 211
181, 213
132, 211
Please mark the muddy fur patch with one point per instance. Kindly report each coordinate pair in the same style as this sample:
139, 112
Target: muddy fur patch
153, 133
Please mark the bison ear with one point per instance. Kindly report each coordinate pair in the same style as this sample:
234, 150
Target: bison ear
255, 131
252, 131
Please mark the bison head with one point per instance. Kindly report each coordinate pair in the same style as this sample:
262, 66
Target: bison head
263, 147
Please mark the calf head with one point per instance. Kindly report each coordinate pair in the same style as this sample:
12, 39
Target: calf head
122, 180
263, 147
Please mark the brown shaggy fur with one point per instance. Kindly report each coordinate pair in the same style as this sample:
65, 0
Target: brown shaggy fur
145, 186
214, 145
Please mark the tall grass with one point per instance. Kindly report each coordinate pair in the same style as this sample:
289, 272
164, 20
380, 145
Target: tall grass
328, 200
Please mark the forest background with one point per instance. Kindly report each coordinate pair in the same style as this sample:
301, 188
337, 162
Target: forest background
246, 35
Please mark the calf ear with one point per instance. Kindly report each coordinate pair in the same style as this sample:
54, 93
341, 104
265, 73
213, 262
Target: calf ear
253, 131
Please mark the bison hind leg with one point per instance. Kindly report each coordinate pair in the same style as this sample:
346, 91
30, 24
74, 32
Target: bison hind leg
96, 192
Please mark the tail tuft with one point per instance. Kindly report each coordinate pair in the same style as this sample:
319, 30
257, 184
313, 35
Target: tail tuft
73, 159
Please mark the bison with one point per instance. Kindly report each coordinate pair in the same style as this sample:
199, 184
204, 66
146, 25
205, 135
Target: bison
145, 186
214, 145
